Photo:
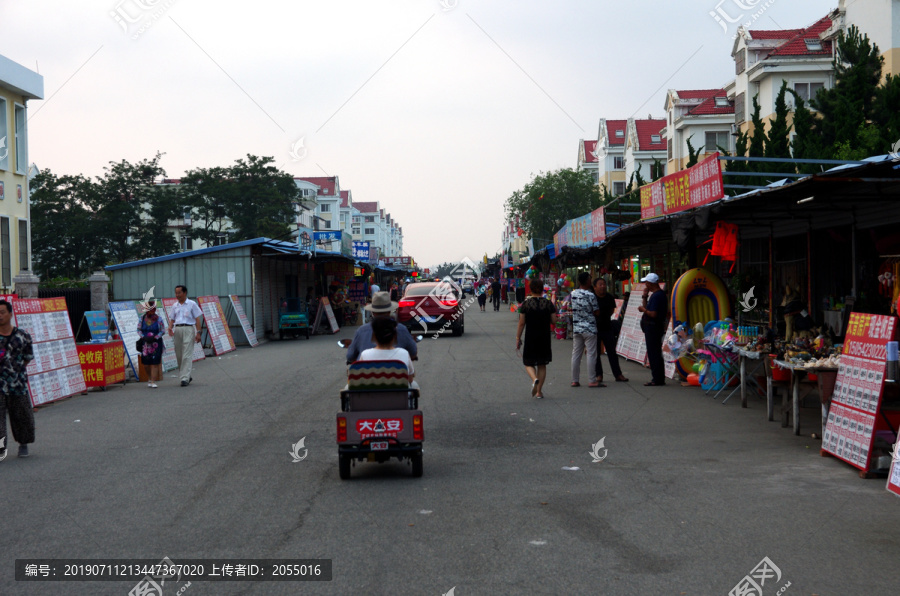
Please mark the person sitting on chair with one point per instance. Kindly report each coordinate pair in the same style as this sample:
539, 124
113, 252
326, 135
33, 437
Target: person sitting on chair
384, 331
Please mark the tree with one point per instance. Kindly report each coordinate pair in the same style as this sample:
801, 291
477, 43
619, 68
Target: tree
778, 139
260, 200
207, 193
549, 200
806, 144
693, 154
62, 227
887, 111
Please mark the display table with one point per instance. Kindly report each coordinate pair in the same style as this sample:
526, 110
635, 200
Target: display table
797, 373
757, 361
102, 364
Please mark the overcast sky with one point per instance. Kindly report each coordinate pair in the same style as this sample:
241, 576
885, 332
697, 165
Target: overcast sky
439, 109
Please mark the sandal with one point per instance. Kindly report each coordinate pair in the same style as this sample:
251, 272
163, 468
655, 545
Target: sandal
596, 385
576, 384
534, 386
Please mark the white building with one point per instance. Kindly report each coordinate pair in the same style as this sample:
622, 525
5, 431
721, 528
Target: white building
610, 154
703, 116
645, 148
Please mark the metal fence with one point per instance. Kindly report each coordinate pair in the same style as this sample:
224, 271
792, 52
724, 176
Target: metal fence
78, 301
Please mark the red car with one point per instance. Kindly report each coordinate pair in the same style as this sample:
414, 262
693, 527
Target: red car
432, 307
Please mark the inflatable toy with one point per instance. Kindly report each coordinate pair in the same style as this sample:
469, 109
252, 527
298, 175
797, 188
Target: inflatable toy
698, 297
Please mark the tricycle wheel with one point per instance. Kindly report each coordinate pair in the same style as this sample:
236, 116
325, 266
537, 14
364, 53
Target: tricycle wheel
416, 460
344, 467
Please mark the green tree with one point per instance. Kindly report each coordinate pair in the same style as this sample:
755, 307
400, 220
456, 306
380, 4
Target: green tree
261, 199
63, 229
693, 154
778, 139
207, 193
806, 144
549, 200
887, 113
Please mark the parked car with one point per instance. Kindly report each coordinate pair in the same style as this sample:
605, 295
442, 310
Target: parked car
431, 306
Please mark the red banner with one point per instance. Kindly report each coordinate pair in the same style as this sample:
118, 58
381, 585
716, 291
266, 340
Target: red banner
867, 335
598, 223
102, 364
698, 185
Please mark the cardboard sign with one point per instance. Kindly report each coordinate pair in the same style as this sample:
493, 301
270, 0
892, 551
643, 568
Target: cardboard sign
216, 327
632, 345
127, 319
168, 303
245, 322
102, 364
55, 372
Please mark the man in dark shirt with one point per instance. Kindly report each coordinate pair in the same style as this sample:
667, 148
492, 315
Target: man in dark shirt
654, 305
605, 334
495, 294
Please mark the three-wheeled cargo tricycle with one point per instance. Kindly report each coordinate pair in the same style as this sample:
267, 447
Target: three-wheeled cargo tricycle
293, 318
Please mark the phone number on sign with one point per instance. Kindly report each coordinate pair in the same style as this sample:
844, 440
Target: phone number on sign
187, 569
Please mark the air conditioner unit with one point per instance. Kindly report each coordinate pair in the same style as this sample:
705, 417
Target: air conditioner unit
734, 129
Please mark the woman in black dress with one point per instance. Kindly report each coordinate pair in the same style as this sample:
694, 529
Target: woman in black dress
536, 316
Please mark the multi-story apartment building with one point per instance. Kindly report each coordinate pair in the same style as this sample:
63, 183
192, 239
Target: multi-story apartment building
645, 149
704, 117
17, 85
610, 154
587, 159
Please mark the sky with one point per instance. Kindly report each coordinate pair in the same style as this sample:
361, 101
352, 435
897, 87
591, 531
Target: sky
438, 109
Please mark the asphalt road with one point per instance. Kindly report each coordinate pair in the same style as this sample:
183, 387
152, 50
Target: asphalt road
691, 496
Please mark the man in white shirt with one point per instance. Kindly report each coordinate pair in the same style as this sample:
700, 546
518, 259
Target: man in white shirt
184, 326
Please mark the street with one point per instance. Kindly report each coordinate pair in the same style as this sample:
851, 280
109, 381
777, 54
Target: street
691, 496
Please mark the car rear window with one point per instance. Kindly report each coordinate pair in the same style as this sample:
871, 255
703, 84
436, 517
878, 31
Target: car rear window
425, 289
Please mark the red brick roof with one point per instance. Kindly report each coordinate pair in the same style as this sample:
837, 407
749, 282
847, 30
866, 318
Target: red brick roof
326, 184
708, 106
589, 148
777, 34
611, 127
345, 198
647, 128
796, 45
366, 206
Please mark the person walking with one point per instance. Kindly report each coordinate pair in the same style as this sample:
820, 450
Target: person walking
185, 328
537, 315
15, 353
481, 290
151, 330
495, 294
654, 307
584, 312
605, 333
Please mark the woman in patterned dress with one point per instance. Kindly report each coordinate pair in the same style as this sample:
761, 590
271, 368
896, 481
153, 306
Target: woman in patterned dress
151, 330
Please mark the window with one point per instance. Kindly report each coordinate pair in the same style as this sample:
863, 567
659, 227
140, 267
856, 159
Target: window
187, 216
740, 61
657, 170
655, 139
21, 140
813, 45
356, 231
23, 244
187, 243
4, 137
618, 188
370, 231
370, 218
620, 134
618, 163
325, 207
5, 261
220, 240
739, 108
722, 102
716, 139
806, 91
669, 146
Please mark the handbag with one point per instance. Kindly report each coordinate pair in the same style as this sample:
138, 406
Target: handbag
139, 345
